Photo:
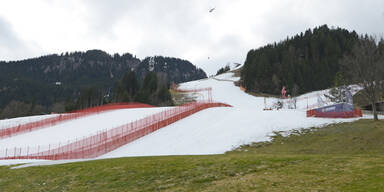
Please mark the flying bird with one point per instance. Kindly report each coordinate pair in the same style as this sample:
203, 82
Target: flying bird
211, 10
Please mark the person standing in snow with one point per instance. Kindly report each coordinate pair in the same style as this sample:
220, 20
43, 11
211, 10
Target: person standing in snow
283, 92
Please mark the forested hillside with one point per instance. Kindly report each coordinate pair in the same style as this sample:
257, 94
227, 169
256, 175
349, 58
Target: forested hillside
56, 83
48, 79
306, 62
177, 70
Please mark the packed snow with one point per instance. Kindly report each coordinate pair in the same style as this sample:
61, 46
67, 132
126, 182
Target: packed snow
226, 77
211, 131
7, 123
78, 128
217, 130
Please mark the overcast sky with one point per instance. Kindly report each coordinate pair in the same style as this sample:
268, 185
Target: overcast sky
176, 28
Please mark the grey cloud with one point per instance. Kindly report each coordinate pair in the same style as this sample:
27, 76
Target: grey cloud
103, 15
173, 16
7, 37
177, 28
228, 50
168, 27
361, 16
12, 47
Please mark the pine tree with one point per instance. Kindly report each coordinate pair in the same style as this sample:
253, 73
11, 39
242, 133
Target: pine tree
309, 60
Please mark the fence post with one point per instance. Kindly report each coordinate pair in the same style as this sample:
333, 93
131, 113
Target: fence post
118, 137
82, 148
71, 150
38, 151
105, 142
49, 151
57, 154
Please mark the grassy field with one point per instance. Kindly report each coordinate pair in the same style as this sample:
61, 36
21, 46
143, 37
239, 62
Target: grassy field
341, 157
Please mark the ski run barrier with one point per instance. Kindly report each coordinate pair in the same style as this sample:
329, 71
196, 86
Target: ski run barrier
31, 126
108, 140
339, 110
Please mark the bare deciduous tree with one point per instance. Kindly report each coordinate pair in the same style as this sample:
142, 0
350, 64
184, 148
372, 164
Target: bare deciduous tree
365, 66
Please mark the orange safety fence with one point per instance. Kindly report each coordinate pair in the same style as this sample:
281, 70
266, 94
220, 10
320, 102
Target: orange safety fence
342, 114
106, 141
208, 90
31, 126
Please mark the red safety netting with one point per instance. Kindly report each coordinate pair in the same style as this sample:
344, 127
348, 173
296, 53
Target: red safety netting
344, 114
106, 141
31, 126
208, 90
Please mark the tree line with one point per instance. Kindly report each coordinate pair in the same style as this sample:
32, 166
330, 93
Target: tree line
365, 66
154, 90
68, 81
318, 59
308, 61
223, 70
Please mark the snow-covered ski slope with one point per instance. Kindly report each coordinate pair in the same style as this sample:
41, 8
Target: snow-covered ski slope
211, 131
6, 123
217, 130
77, 129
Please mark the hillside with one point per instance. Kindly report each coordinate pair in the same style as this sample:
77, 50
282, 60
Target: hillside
306, 62
201, 133
351, 161
247, 149
51, 79
177, 70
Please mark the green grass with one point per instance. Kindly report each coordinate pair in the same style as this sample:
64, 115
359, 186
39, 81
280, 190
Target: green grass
360, 137
342, 157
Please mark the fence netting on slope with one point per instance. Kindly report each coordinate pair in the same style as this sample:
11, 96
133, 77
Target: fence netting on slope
108, 140
50, 121
208, 90
309, 101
